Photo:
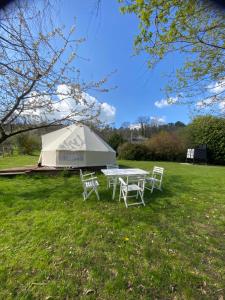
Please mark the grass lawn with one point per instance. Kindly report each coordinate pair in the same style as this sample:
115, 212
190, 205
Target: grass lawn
18, 161
55, 246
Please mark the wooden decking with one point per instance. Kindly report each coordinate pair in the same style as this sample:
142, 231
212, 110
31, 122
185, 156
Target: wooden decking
31, 170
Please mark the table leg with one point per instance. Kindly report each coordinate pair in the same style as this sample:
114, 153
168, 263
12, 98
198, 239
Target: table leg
114, 188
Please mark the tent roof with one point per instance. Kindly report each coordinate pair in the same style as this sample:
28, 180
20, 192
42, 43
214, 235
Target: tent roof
74, 138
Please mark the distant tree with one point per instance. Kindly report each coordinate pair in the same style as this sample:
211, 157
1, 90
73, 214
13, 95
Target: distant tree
143, 121
133, 151
39, 84
179, 124
194, 28
27, 143
115, 140
209, 130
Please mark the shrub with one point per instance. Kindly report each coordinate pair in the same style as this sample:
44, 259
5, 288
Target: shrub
169, 146
115, 140
27, 144
134, 151
209, 130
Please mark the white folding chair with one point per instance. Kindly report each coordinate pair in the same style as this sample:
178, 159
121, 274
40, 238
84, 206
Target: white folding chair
90, 184
111, 180
136, 185
156, 179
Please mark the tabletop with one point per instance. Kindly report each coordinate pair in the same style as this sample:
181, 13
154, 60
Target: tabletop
124, 172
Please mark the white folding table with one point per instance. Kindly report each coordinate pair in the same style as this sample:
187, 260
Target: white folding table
116, 173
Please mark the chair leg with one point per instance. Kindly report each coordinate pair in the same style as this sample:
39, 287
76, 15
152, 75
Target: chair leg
124, 196
108, 183
142, 197
125, 199
87, 194
96, 192
160, 186
114, 188
120, 195
153, 186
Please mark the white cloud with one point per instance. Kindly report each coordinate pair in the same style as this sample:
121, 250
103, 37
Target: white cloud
222, 106
107, 113
166, 102
64, 105
217, 87
158, 120
212, 103
204, 103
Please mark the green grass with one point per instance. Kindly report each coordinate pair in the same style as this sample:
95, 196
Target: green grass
55, 246
18, 161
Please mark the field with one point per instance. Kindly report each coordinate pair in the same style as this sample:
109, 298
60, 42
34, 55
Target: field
53, 245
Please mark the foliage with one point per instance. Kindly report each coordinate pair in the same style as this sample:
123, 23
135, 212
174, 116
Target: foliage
169, 146
133, 151
115, 140
147, 128
56, 246
66, 173
194, 28
27, 144
37, 74
165, 145
209, 130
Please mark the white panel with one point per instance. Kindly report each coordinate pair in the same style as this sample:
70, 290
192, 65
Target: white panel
70, 158
48, 158
190, 153
98, 158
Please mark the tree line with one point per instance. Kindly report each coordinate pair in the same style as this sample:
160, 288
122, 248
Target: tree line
170, 141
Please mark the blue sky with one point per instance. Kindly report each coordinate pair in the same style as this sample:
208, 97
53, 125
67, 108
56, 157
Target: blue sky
109, 47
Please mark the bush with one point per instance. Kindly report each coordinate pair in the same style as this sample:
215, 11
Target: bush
27, 144
115, 140
209, 130
167, 146
170, 146
134, 151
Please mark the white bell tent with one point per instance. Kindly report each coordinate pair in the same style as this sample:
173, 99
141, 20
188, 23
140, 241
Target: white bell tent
75, 146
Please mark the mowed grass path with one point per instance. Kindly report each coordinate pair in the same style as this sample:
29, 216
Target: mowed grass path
55, 246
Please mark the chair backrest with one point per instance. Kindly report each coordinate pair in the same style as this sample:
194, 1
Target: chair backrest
112, 166
139, 180
122, 182
134, 179
158, 172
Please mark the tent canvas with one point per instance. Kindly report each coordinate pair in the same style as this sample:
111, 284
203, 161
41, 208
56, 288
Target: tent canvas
75, 146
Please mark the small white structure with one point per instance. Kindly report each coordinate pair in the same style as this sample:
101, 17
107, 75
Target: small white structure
190, 153
75, 146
